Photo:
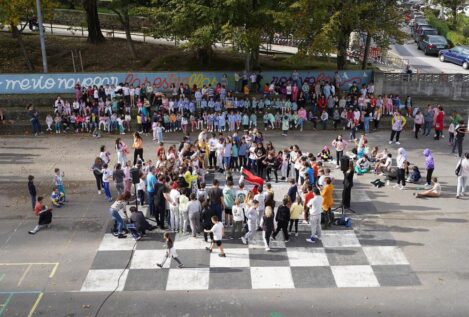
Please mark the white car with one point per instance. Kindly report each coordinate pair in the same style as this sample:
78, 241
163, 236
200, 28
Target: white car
466, 11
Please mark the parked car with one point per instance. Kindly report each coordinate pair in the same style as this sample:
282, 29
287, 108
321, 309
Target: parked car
457, 55
415, 28
424, 30
432, 44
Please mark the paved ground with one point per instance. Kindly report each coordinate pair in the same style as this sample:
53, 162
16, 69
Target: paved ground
403, 257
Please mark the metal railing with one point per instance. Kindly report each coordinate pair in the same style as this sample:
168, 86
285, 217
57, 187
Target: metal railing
427, 77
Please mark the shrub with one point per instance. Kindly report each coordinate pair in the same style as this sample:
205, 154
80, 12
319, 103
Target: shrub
465, 31
440, 25
456, 38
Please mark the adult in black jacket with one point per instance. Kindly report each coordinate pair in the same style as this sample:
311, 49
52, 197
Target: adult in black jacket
283, 218
138, 219
348, 184
206, 219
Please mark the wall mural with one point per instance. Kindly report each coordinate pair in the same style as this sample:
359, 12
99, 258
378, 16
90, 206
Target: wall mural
65, 82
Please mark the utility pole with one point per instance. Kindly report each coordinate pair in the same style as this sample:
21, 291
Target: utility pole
41, 36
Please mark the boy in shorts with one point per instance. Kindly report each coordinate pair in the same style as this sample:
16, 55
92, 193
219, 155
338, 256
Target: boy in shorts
218, 231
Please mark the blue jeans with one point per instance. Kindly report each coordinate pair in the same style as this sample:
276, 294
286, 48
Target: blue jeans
226, 161
118, 219
107, 191
366, 123
151, 203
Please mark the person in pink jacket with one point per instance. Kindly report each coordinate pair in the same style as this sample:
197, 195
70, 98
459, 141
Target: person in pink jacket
339, 145
302, 116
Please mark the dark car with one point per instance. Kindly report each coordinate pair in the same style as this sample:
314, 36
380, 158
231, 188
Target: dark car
432, 44
457, 55
425, 30
416, 28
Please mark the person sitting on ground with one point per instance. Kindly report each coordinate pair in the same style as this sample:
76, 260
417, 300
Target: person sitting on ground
325, 154
384, 165
435, 191
414, 175
363, 165
57, 198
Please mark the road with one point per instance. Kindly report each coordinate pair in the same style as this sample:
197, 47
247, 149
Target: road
423, 63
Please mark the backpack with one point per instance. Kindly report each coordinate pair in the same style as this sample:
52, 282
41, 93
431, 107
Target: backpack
343, 221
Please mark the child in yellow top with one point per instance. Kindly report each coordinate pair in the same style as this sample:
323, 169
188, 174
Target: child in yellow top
296, 210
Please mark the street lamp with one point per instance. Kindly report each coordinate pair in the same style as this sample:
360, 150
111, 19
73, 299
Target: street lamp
41, 36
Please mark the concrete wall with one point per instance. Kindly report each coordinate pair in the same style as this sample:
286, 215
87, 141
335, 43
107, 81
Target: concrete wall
441, 86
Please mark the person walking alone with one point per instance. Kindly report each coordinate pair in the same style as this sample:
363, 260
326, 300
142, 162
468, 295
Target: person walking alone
463, 175
170, 252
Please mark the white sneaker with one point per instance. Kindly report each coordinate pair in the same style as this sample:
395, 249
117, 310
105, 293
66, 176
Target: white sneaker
395, 186
267, 249
390, 142
99, 192
401, 187
243, 239
398, 143
427, 186
387, 183
296, 234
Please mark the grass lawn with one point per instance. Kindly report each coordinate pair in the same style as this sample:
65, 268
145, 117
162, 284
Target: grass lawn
113, 56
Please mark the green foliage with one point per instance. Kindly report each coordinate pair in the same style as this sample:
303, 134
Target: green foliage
465, 31
457, 38
440, 25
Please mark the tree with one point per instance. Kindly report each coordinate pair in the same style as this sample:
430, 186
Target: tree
327, 25
453, 5
383, 27
123, 9
12, 13
247, 22
95, 35
196, 22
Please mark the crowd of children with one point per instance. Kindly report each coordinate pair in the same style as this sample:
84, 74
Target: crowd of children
282, 105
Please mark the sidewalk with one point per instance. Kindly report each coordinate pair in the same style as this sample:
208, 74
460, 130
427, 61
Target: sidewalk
78, 31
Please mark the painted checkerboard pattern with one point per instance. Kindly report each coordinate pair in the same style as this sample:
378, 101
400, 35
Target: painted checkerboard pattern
343, 258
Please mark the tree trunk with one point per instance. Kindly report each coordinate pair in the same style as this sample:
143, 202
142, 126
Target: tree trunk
247, 62
367, 51
17, 35
203, 55
255, 58
95, 35
125, 21
342, 45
